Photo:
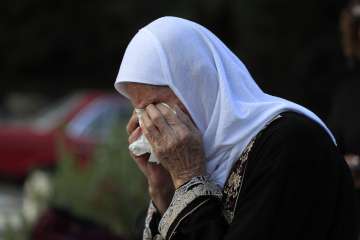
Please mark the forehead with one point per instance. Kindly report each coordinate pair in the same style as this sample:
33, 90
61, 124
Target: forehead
140, 90
131, 88
143, 94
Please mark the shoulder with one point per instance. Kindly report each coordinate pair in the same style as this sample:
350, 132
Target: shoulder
295, 130
293, 141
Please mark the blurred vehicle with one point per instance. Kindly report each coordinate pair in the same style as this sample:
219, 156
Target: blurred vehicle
79, 122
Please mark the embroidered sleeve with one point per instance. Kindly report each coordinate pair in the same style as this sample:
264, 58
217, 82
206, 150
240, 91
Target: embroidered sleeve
183, 197
152, 216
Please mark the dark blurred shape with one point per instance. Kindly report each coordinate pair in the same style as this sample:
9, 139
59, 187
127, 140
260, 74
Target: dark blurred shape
319, 69
344, 119
80, 121
350, 28
344, 116
140, 224
329, 62
57, 46
59, 224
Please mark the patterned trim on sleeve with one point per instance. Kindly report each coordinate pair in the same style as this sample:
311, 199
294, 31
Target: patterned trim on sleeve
196, 187
147, 234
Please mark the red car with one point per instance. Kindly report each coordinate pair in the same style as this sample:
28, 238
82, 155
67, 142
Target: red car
80, 121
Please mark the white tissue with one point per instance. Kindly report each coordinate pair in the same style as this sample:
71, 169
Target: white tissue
142, 145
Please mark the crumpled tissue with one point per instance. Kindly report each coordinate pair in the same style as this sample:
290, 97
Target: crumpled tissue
142, 145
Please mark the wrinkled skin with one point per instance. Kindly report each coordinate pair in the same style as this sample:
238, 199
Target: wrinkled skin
175, 140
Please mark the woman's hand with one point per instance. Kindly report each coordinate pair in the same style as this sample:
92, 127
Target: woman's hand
175, 140
161, 189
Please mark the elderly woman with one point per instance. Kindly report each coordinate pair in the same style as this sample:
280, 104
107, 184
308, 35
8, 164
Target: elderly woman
235, 162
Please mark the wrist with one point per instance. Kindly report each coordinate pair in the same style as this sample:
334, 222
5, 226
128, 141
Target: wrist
181, 179
179, 182
161, 197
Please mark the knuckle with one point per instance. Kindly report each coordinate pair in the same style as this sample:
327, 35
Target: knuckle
184, 137
156, 118
149, 108
167, 113
149, 124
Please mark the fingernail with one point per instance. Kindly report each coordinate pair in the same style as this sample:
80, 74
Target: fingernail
139, 113
169, 107
140, 121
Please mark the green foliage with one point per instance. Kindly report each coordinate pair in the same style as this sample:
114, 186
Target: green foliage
22, 233
109, 191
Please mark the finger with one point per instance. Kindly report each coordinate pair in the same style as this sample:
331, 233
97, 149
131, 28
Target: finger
180, 130
167, 113
172, 117
141, 161
134, 135
185, 119
133, 123
149, 129
157, 118
158, 175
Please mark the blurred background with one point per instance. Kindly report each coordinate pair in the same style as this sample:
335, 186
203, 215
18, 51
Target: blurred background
64, 168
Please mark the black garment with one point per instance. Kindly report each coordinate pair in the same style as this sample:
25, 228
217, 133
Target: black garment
344, 119
296, 186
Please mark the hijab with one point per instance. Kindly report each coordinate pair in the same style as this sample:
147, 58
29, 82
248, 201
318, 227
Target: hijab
222, 98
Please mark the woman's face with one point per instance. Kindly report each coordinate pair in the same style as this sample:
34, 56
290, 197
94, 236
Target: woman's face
142, 95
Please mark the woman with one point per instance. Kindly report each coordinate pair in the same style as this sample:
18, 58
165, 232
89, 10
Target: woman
236, 163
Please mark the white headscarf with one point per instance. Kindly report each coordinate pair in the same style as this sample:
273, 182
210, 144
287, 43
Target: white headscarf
214, 85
